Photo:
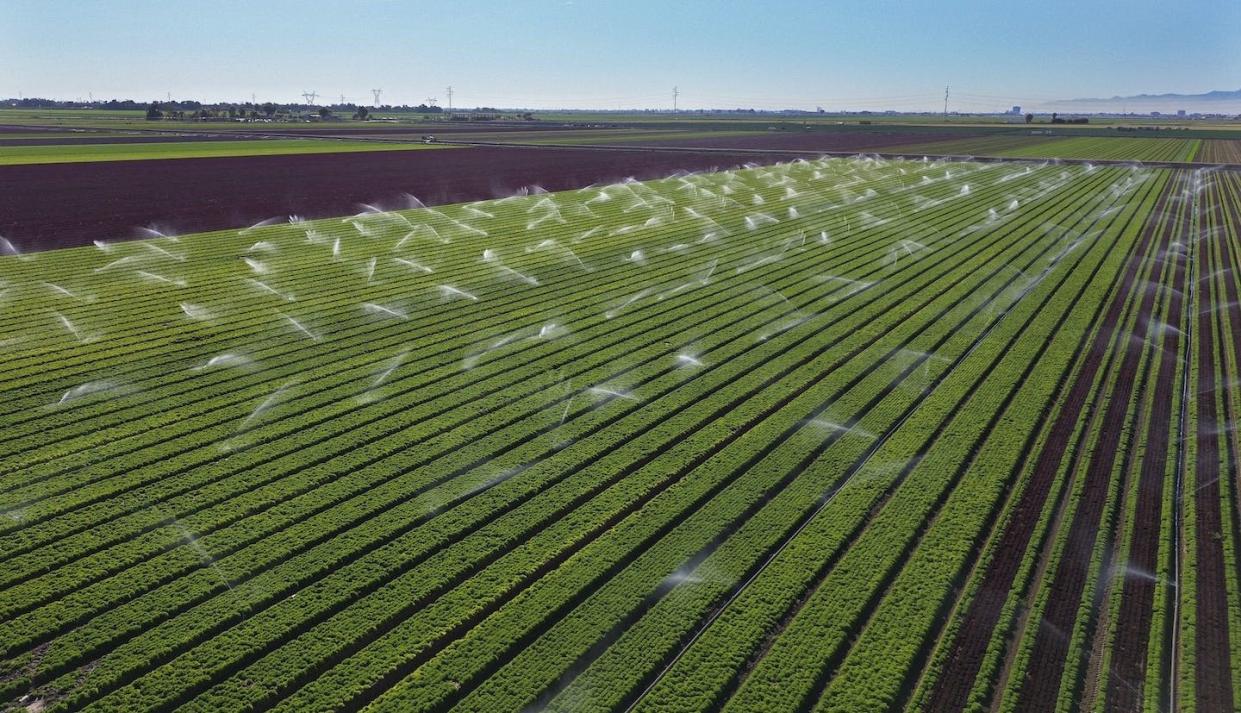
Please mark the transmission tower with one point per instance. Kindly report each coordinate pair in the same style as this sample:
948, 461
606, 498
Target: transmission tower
945, 102
310, 97
377, 92
342, 99
675, 93
431, 101
449, 97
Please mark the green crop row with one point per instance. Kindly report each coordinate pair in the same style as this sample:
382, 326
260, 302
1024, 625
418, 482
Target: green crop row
25, 563
745, 440
1086, 457
803, 337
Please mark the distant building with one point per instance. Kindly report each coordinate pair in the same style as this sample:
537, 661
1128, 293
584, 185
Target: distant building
1180, 113
1015, 110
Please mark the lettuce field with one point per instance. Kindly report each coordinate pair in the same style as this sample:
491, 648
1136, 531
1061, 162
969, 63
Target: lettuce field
830, 435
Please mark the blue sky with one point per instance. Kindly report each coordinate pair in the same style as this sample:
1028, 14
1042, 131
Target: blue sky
620, 54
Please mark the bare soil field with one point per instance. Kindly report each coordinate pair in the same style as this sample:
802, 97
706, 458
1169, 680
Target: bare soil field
65, 205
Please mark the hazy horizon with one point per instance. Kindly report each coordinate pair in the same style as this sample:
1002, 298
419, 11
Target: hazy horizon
596, 55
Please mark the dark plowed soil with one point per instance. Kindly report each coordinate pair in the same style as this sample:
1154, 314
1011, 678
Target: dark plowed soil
953, 685
64, 205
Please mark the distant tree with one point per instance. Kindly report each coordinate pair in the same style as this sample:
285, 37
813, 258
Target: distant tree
1029, 118
269, 109
153, 112
362, 114
324, 112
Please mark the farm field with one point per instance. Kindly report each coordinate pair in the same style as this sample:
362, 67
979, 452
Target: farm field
980, 146
831, 435
1111, 148
1076, 147
69, 136
932, 121
196, 148
46, 206
1220, 151
799, 141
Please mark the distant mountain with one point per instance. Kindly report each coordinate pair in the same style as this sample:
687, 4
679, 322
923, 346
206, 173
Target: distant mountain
1219, 101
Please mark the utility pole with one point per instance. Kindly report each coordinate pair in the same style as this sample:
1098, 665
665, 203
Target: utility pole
253, 99
377, 92
449, 97
945, 102
342, 99
675, 93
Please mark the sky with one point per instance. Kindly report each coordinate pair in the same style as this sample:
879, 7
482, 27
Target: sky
861, 54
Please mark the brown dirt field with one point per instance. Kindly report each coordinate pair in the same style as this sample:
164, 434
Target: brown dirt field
969, 646
63, 205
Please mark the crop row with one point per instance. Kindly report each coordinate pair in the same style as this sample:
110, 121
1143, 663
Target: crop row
27, 563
